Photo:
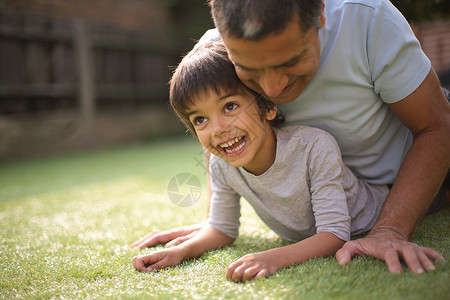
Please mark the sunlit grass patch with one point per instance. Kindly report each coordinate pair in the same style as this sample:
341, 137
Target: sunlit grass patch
66, 223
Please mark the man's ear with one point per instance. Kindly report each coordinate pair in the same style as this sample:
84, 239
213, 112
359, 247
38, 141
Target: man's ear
271, 114
322, 16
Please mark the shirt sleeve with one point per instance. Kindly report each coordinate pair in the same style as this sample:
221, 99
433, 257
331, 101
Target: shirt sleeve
225, 206
328, 198
398, 64
208, 36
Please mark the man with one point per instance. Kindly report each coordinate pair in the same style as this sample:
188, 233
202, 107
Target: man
354, 69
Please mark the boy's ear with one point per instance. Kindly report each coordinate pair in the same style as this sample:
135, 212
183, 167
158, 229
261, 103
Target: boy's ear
271, 114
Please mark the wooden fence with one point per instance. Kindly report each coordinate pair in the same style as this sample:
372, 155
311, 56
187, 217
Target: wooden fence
435, 40
59, 76
48, 64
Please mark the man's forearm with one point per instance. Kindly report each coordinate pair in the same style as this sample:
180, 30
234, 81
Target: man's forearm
417, 183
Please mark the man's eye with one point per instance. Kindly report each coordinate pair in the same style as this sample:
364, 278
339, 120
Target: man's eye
199, 121
242, 72
290, 64
230, 107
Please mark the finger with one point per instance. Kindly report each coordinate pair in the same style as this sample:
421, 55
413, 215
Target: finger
134, 262
425, 261
139, 264
151, 240
236, 270
142, 244
149, 262
432, 254
180, 240
238, 274
143, 239
261, 274
231, 268
176, 242
156, 266
345, 254
159, 237
250, 273
392, 260
411, 258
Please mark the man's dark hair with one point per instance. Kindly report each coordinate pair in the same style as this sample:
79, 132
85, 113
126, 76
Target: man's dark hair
205, 68
256, 19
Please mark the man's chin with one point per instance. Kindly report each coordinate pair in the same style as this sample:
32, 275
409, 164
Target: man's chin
289, 95
284, 99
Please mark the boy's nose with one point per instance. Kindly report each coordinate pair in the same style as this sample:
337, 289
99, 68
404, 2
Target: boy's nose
220, 126
272, 82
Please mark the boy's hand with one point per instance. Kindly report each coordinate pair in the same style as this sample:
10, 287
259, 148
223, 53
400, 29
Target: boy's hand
253, 266
158, 260
172, 237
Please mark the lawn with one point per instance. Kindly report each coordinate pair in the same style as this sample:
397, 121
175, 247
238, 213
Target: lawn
66, 223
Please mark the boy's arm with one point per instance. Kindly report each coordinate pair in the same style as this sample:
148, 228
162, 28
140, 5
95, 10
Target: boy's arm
263, 264
208, 238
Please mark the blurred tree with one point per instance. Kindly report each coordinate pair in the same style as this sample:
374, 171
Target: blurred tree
191, 18
423, 10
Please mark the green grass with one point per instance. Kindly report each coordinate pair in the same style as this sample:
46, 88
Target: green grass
66, 223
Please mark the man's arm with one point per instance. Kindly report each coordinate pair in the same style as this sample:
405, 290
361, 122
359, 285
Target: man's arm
426, 112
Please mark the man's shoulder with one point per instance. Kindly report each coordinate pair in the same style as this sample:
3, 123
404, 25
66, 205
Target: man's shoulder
337, 7
368, 3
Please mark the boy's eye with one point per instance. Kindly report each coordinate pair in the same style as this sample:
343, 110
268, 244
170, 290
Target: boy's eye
230, 107
198, 121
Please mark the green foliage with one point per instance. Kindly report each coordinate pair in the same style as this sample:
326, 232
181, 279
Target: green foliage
423, 10
66, 223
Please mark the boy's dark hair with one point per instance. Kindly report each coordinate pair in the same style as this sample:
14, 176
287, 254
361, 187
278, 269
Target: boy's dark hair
256, 19
208, 67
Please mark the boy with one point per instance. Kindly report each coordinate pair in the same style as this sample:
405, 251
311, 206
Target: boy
293, 176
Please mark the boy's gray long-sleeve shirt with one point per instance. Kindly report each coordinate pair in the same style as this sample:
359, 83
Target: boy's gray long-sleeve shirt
307, 190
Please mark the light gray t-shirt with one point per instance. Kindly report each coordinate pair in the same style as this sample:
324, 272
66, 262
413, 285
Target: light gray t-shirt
307, 190
369, 57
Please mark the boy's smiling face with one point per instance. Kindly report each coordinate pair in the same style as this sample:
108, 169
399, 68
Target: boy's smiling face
230, 126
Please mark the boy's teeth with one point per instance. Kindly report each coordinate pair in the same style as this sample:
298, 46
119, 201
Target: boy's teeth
230, 143
236, 149
226, 146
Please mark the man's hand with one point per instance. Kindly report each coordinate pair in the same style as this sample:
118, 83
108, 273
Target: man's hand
392, 250
172, 237
158, 260
252, 266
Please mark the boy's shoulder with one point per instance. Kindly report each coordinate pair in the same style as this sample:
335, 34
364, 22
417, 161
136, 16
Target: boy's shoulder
302, 133
219, 166
299, 139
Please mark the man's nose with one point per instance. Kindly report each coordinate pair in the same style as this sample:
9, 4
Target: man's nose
272, 82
